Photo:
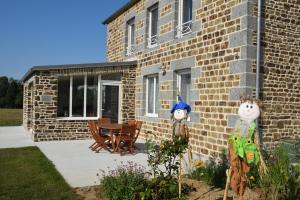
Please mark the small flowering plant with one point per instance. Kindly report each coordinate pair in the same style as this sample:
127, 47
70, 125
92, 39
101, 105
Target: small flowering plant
125, 182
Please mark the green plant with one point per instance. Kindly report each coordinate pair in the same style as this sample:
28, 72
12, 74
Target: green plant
166, 155
283, 179
126, 182
213, 172
163, 159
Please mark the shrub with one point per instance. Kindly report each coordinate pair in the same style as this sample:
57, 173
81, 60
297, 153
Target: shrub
126, 182
283, 179
163, 159
213, 172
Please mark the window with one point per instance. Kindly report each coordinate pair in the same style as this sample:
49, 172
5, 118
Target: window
152, 26
77, 96
184, 85
152, 96
63, 97
91, 96
185, 12
130, 28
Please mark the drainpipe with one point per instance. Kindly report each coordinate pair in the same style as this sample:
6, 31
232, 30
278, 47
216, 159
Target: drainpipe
258, 50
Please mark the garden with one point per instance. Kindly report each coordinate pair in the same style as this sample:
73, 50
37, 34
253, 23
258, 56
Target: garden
204, 179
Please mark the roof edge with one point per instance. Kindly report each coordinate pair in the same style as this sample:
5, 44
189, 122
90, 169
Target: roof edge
119, 11
76, 66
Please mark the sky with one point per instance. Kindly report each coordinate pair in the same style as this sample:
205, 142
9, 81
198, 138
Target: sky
50, 32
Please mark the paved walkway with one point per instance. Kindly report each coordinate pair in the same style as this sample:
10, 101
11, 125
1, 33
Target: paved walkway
73, 159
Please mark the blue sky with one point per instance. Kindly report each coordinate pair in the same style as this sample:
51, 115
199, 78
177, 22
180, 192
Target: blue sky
44, 32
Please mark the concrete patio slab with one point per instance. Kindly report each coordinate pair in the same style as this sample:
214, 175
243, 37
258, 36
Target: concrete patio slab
14, 136
73, 159
79, 165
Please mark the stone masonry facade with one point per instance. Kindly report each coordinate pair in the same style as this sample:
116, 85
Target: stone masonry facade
40, 115
220, 52
281, 70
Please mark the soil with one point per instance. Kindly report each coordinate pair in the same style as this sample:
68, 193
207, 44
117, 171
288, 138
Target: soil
203, 192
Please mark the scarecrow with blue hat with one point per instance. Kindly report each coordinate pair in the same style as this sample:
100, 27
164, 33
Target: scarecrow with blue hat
180, 112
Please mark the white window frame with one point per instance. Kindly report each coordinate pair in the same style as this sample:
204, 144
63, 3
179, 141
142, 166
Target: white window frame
179, 74
152, 38
99, 99
155, 112
130, 46
181, 27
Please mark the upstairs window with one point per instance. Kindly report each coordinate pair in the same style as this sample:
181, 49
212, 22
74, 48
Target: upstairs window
152, 96
185, 13
130, 44
184, 85
152, 26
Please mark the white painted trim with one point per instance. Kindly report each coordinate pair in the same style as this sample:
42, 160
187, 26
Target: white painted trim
84, 95
99, 97
71, 96
75, 118
155, 112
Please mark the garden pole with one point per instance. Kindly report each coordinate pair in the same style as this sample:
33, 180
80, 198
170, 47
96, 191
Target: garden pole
179, 177
228, 173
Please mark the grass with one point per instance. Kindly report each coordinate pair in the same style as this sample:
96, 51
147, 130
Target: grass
11, 117
25, 173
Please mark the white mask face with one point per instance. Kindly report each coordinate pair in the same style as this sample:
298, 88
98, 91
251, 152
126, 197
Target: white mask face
179, 114
249, 111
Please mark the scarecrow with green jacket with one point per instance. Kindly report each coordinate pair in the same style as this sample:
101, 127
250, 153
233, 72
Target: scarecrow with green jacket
244, 146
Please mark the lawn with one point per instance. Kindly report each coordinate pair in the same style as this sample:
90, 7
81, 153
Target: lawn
25, 173
11, 117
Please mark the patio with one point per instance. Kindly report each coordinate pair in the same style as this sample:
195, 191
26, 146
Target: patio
73, 159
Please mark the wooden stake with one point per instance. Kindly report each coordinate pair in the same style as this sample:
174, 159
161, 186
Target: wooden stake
228, 173
179, 177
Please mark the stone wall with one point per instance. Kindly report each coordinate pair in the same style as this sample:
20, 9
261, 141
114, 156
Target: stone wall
46, 125
281, 71
219, 53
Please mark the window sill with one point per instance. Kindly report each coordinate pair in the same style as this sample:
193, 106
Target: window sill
75, 118
152, 46
151, 115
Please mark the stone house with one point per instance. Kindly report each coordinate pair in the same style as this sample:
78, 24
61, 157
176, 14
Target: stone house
205, 50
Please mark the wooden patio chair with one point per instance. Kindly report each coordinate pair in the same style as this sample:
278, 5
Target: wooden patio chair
104, 120
138, 130
102, 141
126, 136
131, 121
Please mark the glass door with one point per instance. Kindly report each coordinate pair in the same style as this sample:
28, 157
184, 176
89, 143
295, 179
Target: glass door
110, 103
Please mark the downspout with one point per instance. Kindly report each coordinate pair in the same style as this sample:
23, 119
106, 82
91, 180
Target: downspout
258, 48
258, 53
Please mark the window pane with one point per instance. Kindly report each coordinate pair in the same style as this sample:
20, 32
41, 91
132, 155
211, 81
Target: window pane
154, 20
156, 96
112, 77
91, 96
78, 92
63, 97
150, 94
185, 87
132, 33
187, 11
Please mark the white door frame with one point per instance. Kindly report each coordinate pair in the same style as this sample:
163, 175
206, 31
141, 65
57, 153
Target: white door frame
112, 83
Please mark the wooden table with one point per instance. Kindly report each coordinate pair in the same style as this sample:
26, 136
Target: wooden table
112, 128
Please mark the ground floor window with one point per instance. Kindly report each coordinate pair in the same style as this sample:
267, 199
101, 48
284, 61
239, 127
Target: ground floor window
184, 85
79, 96
152, 96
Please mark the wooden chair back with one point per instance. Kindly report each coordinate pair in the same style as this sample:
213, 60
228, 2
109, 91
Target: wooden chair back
131, 122
104, 120
93, 128
138, 129
128, 129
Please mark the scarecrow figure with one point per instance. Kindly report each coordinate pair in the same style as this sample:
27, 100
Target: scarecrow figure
244, 146
179, 116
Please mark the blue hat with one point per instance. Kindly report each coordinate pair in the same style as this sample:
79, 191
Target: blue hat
181, 106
